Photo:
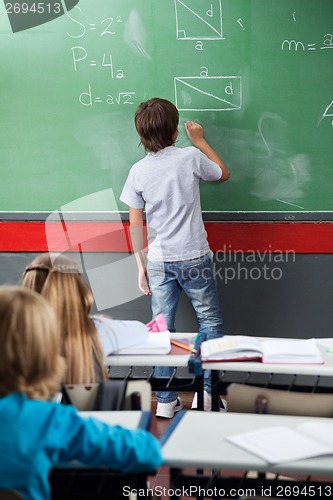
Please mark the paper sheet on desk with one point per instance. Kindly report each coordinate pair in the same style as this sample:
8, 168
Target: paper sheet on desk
282, 444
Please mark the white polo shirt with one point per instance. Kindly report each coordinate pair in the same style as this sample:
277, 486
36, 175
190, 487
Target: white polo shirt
166, 185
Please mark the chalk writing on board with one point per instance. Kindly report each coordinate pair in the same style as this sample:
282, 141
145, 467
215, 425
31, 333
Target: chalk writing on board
80, 55
198, 20
328, 41
106, 26
212, 93
87, 98
240, 22
328, 112
295, 45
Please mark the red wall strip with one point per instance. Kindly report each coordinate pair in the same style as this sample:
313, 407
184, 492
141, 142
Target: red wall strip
299, 237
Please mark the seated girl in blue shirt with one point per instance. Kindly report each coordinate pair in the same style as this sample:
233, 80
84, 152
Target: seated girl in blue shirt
36, 433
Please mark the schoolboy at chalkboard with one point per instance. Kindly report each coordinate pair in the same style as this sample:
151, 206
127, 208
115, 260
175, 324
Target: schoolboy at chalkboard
166, 184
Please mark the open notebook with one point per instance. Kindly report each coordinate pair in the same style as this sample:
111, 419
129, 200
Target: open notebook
245, 348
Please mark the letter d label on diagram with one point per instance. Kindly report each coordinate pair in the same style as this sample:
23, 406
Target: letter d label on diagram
229, 89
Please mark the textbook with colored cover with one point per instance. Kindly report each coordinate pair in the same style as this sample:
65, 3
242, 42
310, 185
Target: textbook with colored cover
244, 348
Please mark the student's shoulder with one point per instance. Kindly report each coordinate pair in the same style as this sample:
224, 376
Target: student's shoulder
188, 151
138, 167
140, 163
189, 154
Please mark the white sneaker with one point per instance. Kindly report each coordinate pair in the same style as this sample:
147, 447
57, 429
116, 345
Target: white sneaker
168, 410
208, 402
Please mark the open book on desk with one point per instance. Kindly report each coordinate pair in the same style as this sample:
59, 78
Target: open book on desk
283, 444
244, 348
156, 343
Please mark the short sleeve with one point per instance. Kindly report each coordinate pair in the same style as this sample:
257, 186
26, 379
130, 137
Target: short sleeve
131, 194
208, 170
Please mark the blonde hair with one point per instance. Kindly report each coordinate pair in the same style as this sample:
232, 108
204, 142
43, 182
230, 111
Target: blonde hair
59, 280
30, 360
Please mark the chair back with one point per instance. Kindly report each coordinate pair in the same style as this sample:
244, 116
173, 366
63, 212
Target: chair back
10, 495
243, 398
81, 396
138, 395
110, 395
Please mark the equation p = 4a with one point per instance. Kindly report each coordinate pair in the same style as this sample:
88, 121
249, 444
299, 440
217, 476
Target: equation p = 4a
123, 98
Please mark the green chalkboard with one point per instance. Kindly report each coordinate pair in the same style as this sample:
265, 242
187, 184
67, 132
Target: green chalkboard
257, 74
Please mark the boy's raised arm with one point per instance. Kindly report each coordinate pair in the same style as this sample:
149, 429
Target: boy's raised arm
195, 134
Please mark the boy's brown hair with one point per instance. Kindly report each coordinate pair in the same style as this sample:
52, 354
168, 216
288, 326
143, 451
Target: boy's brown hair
156, 122
30, 360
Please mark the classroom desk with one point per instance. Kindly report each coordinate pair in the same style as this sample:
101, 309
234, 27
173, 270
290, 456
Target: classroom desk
132, 419
177, 360
198, 440
220, 368
174, 383
76, 480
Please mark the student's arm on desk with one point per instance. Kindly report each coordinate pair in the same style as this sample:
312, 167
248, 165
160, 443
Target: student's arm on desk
95, 443
136, 232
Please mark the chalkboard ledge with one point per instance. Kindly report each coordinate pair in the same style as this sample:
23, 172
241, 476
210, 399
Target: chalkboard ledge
207, 216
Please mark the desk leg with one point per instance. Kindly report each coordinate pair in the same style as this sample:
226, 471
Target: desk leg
181, 482
215, 390
174, 474
200, 392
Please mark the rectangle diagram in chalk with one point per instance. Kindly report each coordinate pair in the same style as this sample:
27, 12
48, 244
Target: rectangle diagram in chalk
199, 19
208, 93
